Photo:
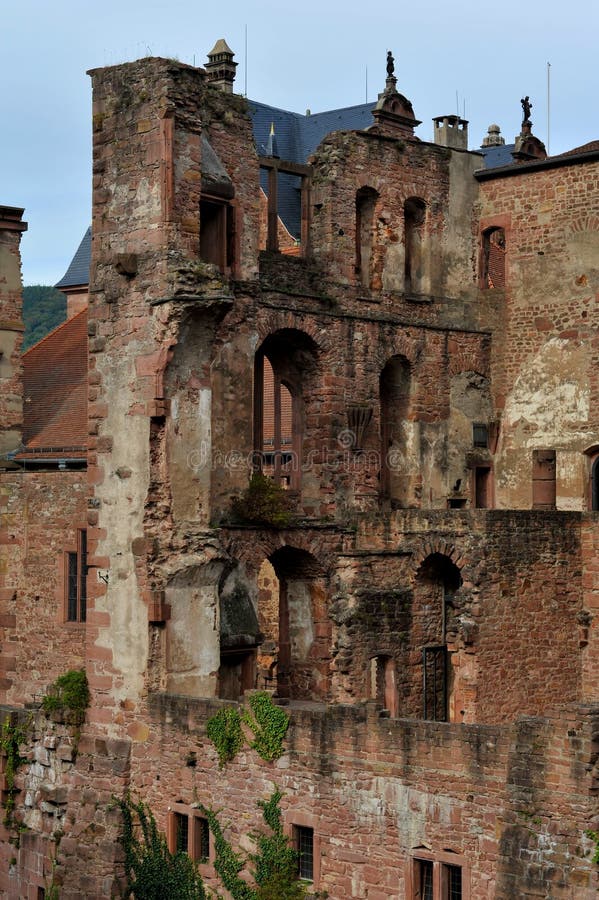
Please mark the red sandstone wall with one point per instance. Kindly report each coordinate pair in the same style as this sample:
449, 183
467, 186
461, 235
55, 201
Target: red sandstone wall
40, 514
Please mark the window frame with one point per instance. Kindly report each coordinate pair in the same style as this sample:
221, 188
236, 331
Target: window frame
75, 602
296, 820
195, 833
441, 861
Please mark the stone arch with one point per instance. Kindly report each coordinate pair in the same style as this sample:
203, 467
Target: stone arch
285, 376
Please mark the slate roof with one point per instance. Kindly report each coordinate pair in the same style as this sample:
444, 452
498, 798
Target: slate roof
498, 155
78, 271
55, 393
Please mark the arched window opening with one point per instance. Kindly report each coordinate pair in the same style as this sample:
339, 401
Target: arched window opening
493, 259
414, 217
284, 367
292, 612
439, 579
366, 199
395, 389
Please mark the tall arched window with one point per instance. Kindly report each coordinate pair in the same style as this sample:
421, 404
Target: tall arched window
284, 366
414, 216
365, 206
493, 259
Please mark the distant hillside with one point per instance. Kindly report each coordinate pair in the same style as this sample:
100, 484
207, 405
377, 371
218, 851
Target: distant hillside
43, 309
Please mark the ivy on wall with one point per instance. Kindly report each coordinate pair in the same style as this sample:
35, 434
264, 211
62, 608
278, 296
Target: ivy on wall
267, 721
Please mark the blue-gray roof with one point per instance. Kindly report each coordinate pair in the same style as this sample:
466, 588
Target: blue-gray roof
296, 136
78, 271
497, 155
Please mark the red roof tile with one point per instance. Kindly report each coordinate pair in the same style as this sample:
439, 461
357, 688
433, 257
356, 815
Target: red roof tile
55, 392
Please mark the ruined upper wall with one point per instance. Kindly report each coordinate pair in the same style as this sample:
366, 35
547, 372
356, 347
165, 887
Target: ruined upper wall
11, 329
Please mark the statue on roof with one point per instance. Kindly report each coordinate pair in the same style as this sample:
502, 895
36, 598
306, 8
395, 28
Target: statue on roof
390, 64
526, 107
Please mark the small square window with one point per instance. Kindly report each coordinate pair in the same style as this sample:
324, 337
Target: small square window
304, 844
188, 832
435, 878
480, 434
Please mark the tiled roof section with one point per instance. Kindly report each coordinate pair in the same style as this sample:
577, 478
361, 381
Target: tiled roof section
591, 147
55, 393
78, 271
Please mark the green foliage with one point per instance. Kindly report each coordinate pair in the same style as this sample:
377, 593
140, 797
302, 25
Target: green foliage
44, 308
152, 871
274, 863
11, 737
224, 730
594, 836
269, 724
70, 692
264, 502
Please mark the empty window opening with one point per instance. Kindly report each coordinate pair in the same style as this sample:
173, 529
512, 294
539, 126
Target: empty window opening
294, 656
432, 617
240, 635
284, 370
543, 479
434, 663
395, 389
493, 259
482, 487
286, 192
383, 686
414, 218
76, 580
216, 233
366, 199
304, 844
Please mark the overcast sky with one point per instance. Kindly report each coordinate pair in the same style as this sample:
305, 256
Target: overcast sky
317, 54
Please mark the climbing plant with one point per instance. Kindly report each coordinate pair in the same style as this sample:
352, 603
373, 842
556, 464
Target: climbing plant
151, 870
594, 836
11, 737
224, 730
269, 724
267, 721
274, 864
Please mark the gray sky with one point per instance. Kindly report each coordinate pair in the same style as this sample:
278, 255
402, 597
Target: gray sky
310, 55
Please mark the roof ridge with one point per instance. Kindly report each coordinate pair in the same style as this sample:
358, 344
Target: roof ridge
50, 334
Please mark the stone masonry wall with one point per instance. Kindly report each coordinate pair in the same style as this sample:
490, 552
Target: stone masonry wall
40, 514
545, 366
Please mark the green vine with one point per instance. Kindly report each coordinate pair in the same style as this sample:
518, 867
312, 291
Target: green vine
152, 871
269, 724
224, 730
274, 863
594, 836
267, 721
11, 737
68, 694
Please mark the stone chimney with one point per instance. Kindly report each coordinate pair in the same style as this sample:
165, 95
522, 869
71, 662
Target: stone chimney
451, 131
493, 137
220, 67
